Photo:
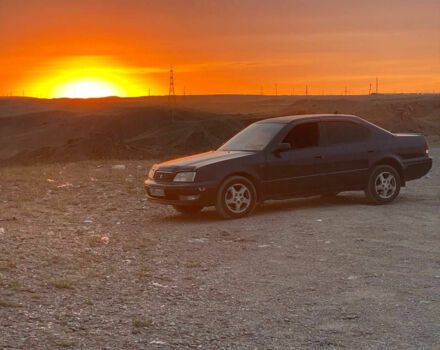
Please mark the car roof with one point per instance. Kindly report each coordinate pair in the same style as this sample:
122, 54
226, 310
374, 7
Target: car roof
291, 118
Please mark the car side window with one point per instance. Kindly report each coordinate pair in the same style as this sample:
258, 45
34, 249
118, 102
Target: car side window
339, 132
303, 136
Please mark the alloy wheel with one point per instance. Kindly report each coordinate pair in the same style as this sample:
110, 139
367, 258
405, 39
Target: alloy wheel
385, 185
238, 198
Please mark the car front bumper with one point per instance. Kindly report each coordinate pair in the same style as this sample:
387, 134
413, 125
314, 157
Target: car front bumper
183, 193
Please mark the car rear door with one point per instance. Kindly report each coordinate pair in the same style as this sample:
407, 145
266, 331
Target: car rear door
298, 170
348, 149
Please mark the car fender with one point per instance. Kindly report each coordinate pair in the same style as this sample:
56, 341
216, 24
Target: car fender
389, 159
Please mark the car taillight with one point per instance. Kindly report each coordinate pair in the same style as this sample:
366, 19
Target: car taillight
426, 148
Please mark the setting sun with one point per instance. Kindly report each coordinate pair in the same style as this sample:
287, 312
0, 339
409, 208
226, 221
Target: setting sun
86, 77
87, 87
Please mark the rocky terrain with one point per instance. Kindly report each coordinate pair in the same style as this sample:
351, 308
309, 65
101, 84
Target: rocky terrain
87, 263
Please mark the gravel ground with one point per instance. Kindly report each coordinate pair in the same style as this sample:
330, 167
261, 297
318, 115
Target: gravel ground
87, 263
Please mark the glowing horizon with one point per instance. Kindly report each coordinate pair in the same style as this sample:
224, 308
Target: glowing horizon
93, 48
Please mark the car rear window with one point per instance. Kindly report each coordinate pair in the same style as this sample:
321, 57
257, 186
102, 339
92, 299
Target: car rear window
338, 132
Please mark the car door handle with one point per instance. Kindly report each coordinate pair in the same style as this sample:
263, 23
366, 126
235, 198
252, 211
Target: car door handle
370, 151
318, 157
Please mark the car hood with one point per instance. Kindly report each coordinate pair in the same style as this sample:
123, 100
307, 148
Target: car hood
202, 159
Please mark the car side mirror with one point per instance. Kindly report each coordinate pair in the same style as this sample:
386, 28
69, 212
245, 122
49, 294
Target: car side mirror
281, 147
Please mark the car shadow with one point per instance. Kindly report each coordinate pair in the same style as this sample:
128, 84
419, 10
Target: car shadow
273, 206
311, 203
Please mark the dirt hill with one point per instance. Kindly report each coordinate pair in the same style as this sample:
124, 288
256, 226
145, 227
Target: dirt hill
62, 130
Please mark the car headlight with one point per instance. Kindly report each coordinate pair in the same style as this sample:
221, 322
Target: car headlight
187, 176
152, 171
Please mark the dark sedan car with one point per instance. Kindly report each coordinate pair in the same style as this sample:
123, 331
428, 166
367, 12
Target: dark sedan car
291, 156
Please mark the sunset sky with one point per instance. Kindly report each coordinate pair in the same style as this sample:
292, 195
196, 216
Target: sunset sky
84, 48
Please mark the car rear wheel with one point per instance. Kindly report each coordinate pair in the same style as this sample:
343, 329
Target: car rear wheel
383, 185
236, 197
185, 209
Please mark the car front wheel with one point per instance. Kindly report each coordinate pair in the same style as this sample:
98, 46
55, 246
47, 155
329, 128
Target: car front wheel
236, 197
383, 185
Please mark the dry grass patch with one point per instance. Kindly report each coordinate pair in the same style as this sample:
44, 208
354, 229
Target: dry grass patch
193, 265
62, 284
63, 343
5, 303
142, 323
6, 266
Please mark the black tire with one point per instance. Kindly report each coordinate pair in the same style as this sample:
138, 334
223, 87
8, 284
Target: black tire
236, 197
379, 191
187, 210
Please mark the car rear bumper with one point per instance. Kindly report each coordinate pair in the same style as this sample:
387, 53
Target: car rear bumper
416, 168
200, 193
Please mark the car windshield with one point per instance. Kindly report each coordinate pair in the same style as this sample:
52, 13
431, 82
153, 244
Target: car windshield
253, 138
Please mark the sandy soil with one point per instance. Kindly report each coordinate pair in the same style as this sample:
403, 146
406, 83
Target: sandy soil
87, 263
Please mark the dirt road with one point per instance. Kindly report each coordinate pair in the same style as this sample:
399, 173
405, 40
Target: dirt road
87, 263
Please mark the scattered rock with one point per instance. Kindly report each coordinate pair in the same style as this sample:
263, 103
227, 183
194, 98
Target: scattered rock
67, 184
197, 240
158, 342
119, 167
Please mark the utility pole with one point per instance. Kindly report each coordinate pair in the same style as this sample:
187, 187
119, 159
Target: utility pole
377, 85
345, 91
369, 90
149, 92
276, 89
307, 90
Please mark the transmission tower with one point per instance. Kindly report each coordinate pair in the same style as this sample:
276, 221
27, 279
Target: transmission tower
171, 94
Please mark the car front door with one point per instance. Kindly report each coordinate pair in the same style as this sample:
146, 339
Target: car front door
297, 170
